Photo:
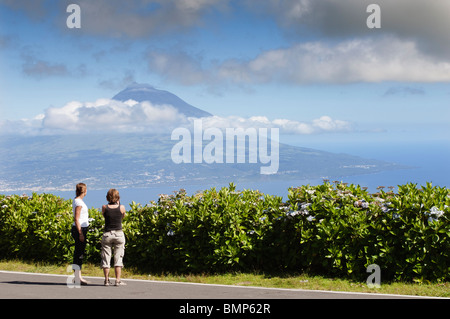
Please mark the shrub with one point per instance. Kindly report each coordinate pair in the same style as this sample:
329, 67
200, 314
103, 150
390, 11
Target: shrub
38, 228
330, 229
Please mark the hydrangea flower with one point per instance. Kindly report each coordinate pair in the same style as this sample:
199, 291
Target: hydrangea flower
292, 213
305, 206
435, 213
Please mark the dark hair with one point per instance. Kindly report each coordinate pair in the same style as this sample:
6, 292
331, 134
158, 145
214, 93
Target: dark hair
113, 196
80, 189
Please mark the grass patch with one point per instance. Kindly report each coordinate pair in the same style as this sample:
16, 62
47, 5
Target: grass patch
289, 281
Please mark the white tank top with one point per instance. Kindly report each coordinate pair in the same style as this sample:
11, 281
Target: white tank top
84, 214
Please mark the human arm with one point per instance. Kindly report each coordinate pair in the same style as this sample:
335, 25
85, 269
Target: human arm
77, 222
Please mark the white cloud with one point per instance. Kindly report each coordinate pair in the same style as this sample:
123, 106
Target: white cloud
413, 45
131, 18
39, 68
324, 124
105, 115
180, 66
22, 126
144, 18
369, 60
357, 60
425, 22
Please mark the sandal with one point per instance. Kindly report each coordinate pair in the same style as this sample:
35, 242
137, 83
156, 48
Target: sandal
120, 283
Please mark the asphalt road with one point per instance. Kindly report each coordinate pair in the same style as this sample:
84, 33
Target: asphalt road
14, 285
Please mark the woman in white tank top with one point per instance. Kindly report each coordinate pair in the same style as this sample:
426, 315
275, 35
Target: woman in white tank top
79, 231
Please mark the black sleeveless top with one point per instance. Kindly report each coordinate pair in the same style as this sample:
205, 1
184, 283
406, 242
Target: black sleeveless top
113, 218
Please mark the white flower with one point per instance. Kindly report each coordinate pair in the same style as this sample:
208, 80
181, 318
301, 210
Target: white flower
5, 206
310, 218
305, 206
361, 203
435, 213
170, 233
293, 213
384, 209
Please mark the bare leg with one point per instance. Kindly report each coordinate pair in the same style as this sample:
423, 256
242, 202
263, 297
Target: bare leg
118, 271
106, 273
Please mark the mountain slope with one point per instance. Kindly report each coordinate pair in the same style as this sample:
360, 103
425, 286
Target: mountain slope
145, 92
46, 163
129, 160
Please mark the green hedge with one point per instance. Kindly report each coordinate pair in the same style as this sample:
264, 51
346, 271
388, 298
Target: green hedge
330, 229
38, 228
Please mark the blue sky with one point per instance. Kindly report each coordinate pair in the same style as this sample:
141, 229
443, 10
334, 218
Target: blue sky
310, 64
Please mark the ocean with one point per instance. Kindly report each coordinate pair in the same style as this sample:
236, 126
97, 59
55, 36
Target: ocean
429, 162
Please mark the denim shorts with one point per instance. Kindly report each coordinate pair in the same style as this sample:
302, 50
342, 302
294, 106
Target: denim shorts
113, 240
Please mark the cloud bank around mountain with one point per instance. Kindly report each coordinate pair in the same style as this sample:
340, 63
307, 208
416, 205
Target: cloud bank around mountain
106, 115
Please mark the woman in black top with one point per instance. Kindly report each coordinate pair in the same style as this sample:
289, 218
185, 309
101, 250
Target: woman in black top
113, 236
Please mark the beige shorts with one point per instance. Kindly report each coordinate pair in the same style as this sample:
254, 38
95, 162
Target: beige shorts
116, 239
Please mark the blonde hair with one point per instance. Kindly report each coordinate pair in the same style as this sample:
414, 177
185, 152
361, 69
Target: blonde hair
113, 196
80, 189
